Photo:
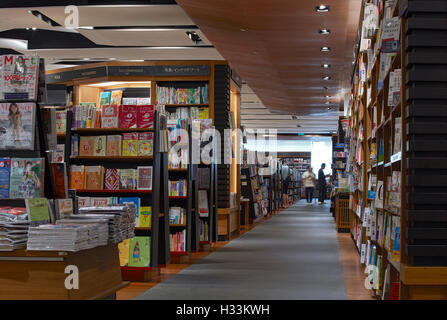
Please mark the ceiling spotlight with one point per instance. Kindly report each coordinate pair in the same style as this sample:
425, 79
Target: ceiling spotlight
322, 8
27, 28
294, 117
324, 31
34, 28
326, 88
194, 37
327, 97
325, 65
329, 108
325, 49
327, 102
243, 30
327, 78
298, 126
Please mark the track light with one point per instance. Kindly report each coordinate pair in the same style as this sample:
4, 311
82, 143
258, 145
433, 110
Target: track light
327, 78
325, 49
324, 31
194, 37
325, 65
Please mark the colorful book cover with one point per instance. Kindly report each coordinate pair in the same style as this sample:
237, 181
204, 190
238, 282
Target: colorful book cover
77, 177
130, 144
145, 144
99, 146
111, 179
145, 217
59, 174
83, 202
26, 178
94, 177
86, 145
140, 252
204, 113
127, 116
144, 181
109, 116
38, 211
129, 101
61, 121
145, 116
17, 126
59, 153
64, 207
123, 249
100, 201
5, 170
19, 77
114, 144
143, 101
115, 97
104, 98
127, 179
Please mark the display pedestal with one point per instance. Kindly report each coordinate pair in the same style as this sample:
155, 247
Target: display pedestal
40, 275
228, 223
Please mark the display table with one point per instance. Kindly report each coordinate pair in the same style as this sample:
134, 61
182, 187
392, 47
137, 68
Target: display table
27, 275
246, 211
228, 223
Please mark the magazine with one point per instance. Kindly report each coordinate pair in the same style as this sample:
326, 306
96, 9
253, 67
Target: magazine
17, 126
19, 77
26, 178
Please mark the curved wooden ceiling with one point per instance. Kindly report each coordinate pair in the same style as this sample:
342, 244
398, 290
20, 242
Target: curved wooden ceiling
275, 46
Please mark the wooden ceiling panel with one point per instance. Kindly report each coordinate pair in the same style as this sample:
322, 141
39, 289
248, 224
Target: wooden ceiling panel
275, 47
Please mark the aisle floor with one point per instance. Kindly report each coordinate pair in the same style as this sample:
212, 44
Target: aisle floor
294, 255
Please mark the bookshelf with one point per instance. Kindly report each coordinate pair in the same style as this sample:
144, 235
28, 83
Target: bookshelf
391, 150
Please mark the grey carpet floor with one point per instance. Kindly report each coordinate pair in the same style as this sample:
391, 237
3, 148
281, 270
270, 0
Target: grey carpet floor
293, 256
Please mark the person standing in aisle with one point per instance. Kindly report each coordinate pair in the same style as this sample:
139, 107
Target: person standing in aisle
321, 184
309, 184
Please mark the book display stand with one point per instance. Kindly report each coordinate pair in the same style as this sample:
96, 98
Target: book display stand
396, 201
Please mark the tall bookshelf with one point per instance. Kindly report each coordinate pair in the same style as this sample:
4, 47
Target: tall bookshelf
396, 201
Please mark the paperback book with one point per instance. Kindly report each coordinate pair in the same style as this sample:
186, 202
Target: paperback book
19, 77
17, 126
26, 180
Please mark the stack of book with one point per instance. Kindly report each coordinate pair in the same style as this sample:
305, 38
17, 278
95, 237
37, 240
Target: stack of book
14, 224
177, 188
177, 215
178, 241
99, 233
170, 95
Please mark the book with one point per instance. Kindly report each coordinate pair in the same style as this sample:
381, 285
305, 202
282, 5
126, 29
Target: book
61, 121
111, 179
26, 179
114, 145
145, 144
5, 171
203, 203
394, 87
397, 147
83, 202
86, 145
94, 178
130, 144
127, 179
77, 177
143, 101
64, 208
127, 116
60, 183
145, 116
140, 252
19, 77
109, 116
129, 101
378, 202
123, 249
115, 97
104, 98
99, 146
74, 145
38, 211
58, 155
17, 126
100, 201
144, 178
145, 217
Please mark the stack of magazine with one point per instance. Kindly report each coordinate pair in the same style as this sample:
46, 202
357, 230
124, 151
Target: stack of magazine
14, 225
62, 237
99, 233
121, 219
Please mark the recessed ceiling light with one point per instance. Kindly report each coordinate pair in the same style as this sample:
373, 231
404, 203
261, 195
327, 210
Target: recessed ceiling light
327, 102
327, 97
243, 30
325, 65
85, 58
324, 31
327, 78
325, 49
322, 8
34, 28
329, 108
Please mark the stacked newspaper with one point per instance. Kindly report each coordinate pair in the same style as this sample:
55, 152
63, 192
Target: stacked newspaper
61, 237
99, 232
121, 219
14, 225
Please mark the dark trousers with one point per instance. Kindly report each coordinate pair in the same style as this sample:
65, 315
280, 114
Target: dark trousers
321, 193
309, 194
